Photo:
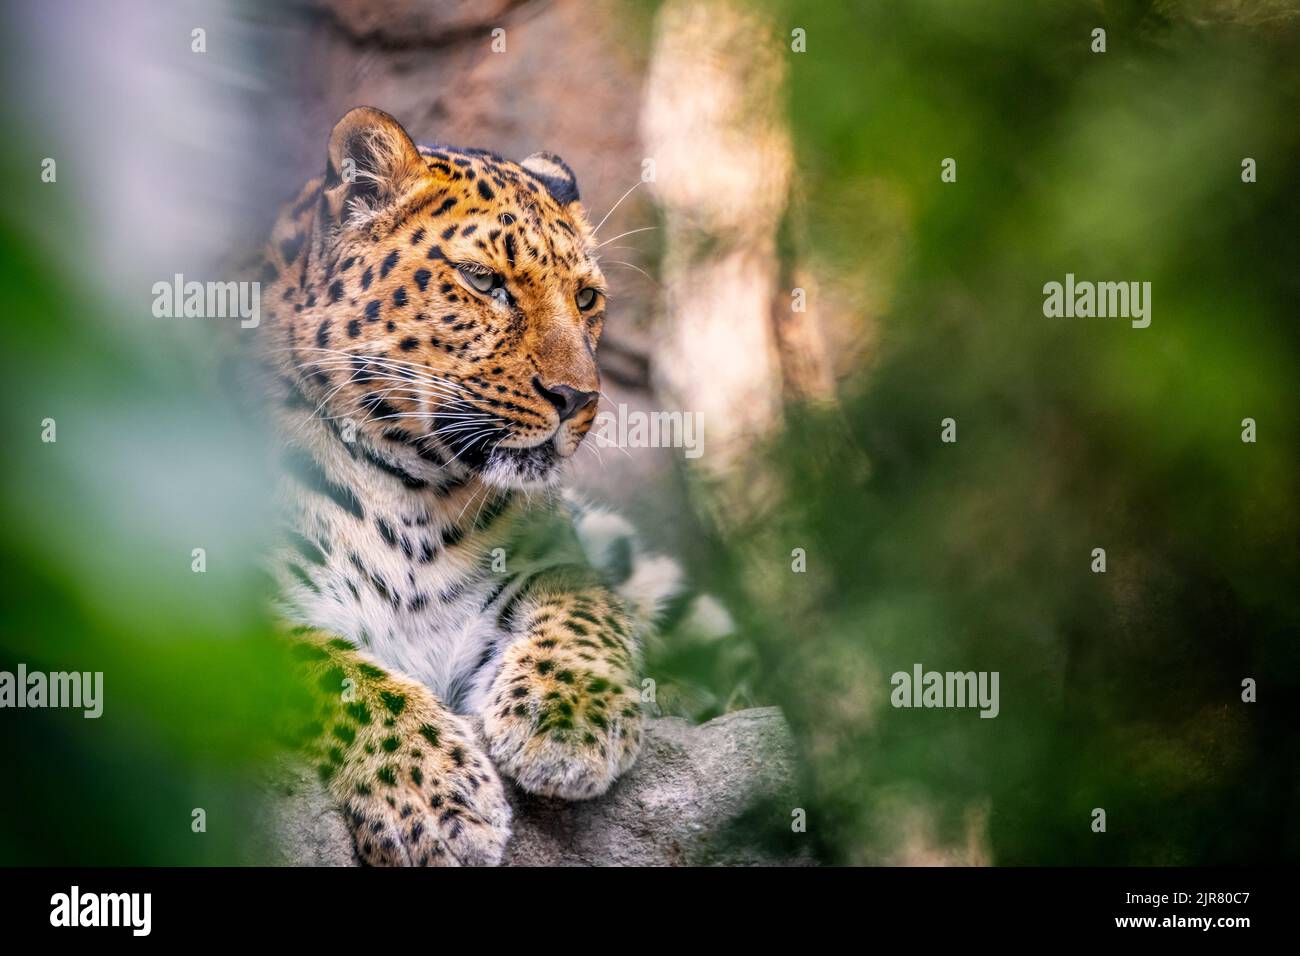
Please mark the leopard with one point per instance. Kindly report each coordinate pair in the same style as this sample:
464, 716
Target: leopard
462, 623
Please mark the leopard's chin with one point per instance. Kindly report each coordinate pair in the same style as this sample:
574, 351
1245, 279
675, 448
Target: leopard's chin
523, 469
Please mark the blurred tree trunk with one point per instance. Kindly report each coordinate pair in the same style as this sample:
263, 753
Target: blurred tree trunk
736, 336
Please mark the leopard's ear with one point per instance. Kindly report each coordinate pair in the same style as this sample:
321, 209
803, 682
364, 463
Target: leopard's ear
372, 162
553, 173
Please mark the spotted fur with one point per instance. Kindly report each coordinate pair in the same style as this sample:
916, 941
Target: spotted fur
426, 412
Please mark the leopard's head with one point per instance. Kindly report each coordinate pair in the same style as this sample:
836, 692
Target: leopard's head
449, 304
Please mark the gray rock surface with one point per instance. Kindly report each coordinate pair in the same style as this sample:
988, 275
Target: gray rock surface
673, 808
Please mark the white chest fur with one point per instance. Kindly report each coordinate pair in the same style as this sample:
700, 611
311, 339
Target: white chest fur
404, 573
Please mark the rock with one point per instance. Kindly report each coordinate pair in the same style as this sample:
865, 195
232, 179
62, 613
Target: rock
308, 829
673, 808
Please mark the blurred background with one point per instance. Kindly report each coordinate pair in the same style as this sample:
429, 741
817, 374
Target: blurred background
795, 270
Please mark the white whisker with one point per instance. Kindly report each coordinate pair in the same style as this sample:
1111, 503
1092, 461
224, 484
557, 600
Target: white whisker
630, 232
617, 204
620, 262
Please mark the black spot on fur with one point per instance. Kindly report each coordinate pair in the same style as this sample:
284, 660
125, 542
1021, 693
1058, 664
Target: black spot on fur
345, 732
306, 548
289, 248
407, 479
310, 475
303, 578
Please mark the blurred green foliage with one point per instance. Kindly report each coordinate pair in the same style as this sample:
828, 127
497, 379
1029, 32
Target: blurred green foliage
1119, 690
150, 462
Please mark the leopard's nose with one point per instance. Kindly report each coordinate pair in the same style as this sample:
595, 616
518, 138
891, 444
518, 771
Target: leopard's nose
568, 401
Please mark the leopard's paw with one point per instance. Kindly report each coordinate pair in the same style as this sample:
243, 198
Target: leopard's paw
420, 792
560, 729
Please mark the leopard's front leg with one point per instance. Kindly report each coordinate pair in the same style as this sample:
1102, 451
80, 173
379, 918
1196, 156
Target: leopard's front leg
414, 784
563, 714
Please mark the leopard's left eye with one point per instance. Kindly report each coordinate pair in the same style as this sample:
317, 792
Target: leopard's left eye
586, 298
480, 278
